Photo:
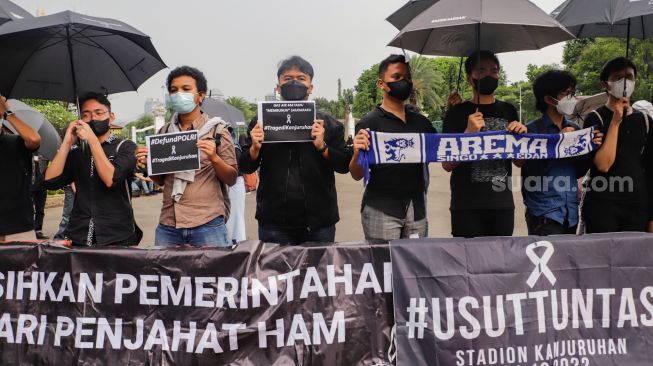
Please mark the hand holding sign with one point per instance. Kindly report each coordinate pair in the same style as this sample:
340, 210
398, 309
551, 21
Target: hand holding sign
173, 152
208, 147
317, 134
287, 121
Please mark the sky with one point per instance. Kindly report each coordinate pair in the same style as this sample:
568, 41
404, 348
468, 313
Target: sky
239, 43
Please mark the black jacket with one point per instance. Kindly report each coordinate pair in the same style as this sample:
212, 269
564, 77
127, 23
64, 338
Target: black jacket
297, 188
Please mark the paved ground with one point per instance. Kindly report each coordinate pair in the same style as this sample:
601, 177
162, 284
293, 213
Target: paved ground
349, 228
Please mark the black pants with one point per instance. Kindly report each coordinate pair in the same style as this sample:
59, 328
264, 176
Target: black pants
542, 226
298, 236
475, 223
38, 200
605, 216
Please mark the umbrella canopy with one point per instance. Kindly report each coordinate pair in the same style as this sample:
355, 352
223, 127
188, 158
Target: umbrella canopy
50, 140
606, 18
217, 108
61, 55
588, 103
10, 11
402, 16
459, 27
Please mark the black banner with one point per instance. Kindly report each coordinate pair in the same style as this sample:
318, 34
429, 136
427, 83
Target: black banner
554, 301
256, 304
172, 152
287, 121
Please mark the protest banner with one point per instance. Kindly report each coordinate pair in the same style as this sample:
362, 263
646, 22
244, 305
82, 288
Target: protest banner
256, 304
535, 301
287, 121
172, 152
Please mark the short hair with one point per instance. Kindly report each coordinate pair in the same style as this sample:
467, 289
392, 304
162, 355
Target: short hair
295, 62
616, 64
98, 97
392, 59
483, 55
551, 83
200, 79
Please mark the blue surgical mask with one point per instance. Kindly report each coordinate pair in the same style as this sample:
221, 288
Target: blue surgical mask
182, 103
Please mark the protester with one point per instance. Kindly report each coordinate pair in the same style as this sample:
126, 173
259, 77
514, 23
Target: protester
618, 200
100, 164
549, 187
39, 193
68, 203
196, 207
236, 231
296, 200
16, 215
142, 181
393, 204
478, 207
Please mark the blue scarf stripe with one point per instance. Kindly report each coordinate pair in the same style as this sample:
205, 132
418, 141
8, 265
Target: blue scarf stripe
398, 148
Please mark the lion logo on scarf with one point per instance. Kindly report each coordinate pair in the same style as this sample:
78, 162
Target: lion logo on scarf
394, 148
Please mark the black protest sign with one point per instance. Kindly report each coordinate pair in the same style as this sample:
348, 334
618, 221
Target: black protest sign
561, 300
287, 121
318, 305
172, 152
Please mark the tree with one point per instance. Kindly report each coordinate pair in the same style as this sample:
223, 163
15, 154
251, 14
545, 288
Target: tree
427, 84
55, 112
366, 95
243, 105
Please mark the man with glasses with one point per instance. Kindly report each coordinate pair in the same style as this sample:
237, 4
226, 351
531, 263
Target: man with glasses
481, 198
102, 171
549, 186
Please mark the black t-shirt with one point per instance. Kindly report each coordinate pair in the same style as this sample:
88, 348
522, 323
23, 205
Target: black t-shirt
474, 184
393, 186
16, 214
632, 147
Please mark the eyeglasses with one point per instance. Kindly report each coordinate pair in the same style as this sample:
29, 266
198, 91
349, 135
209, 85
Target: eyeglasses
99, 113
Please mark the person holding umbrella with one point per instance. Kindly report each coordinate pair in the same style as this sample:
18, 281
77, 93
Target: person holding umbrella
101, 173
481, 198
16, 215
625, 156
394, 202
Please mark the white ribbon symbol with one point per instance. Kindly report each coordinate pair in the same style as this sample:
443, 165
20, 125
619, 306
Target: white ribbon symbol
288, 120
173, 150
540, 263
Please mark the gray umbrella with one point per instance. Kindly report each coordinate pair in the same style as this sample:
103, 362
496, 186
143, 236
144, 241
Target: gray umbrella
217, 108
10, 11
50, 139
402, 16
61, 55
459, 27
607, 18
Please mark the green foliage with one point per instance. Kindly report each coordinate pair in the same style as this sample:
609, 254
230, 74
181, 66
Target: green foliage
143, 121
55, 112
585, 58
248, 109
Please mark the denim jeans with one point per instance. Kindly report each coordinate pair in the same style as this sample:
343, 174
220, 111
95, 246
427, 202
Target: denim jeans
296, 236
69, 200
213, 233
137, 184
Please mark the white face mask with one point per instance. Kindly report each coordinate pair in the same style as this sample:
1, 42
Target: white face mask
567, 105
617, 88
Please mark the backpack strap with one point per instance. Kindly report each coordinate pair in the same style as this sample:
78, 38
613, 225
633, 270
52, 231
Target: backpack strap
600, 118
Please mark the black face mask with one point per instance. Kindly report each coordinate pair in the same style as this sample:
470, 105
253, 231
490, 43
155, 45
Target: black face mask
294, 90
401, 89
488, 85
99, 127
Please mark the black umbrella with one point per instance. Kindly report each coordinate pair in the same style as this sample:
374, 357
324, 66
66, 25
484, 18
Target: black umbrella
460, 27
402, 16
607, 18
58, 56
10, 11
